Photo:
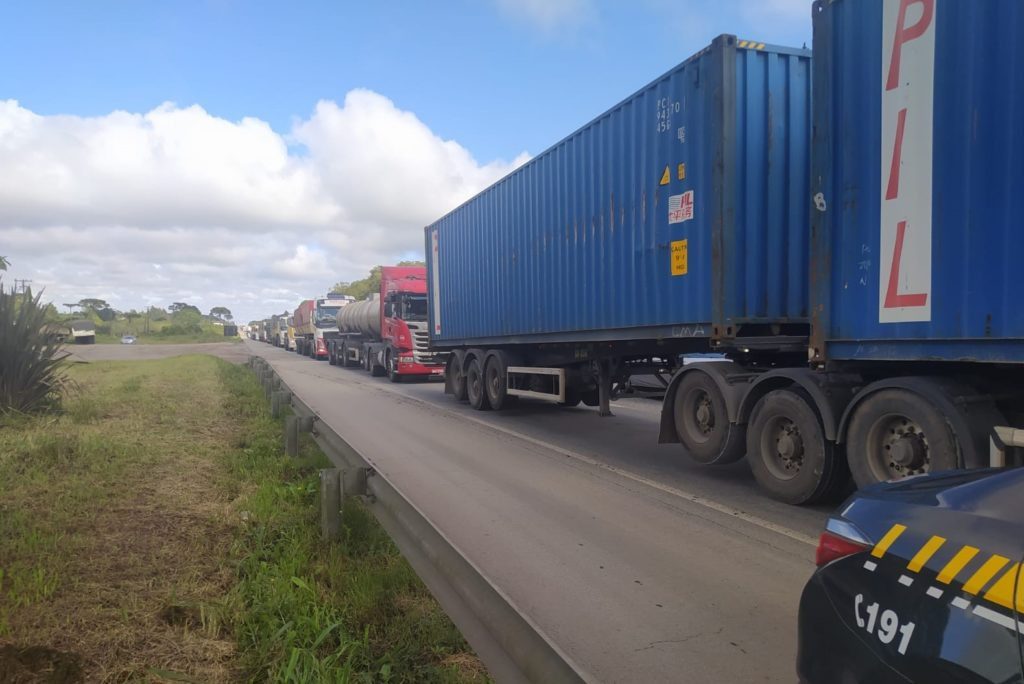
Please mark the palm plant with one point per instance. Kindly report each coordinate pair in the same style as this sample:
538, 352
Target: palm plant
31, 360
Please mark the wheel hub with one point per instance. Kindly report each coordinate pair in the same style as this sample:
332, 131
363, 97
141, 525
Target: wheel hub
705, 414
789, 446
903, 448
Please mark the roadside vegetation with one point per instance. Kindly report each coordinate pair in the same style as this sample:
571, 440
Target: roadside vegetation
32, 378
155, 531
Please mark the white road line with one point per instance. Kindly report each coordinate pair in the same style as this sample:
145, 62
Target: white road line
687, 496
870, 565
906, 581
961, 602
934, 592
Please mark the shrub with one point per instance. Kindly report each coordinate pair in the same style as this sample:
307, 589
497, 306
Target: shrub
31, 361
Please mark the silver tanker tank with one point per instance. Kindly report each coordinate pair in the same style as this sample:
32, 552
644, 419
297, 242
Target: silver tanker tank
361, 317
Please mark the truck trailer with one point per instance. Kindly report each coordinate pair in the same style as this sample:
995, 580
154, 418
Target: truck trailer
387, 333
848, 248
315, 323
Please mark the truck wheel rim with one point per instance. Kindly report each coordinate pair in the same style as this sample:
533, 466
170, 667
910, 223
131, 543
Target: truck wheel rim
699, 415
898, 448
782, 448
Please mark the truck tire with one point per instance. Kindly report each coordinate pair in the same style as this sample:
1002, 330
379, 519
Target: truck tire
455, 376
702, 421
475, 385
376, 370
391, 366
897, 433
367, 364
332, 358
496, 381
787, 450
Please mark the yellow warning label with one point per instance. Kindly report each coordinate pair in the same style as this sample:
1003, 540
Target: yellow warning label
679, 257
665, 177
681, 172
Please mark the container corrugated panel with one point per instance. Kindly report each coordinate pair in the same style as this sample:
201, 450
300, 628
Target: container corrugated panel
918, 175
684, 206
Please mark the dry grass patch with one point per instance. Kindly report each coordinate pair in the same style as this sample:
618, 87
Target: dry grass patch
114, 517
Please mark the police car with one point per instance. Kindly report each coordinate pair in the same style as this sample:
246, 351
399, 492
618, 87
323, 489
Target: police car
919, 580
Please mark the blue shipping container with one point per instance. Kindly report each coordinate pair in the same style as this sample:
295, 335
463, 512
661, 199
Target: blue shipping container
682, 211
918, 168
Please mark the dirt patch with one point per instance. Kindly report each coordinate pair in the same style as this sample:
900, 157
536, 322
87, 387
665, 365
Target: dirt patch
38, 664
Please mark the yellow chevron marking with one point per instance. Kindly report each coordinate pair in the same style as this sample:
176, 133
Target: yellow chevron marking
986, 572
925, 554
1003, 590
892, 535
956, 564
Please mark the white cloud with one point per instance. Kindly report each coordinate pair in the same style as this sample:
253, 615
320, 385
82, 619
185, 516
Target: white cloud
179, 205
548, 14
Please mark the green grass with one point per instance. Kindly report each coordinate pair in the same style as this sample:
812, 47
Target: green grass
210, 333
155, 530
353, 611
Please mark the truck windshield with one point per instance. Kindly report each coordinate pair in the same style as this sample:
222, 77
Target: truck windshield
414, 308
327, 316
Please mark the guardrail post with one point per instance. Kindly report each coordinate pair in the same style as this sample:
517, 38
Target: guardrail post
306, 424
330, 504
291, 436
353, 481
275, 403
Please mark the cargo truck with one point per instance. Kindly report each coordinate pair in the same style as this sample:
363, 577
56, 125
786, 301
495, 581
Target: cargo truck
316, 322
387, 333
851, 255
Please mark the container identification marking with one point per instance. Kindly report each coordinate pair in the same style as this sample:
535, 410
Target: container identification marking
681, 171
680, 207
679, 257
908, 84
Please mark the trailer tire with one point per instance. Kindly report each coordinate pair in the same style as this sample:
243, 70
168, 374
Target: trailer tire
496, 380
787, 450
455, 376
475, 385
898, 433
702, 421
376, 370
591, 397
332, 357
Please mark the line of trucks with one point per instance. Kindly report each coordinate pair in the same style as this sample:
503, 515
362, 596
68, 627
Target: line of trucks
840, 227
386, 334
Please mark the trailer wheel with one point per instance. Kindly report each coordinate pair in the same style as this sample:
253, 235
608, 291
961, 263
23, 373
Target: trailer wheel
475, 388
591, 397
897, 433
332, 357
496, 381
367, 364
787, 450
702, 421
455, 376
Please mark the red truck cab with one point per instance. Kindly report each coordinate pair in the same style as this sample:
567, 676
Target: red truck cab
403, 315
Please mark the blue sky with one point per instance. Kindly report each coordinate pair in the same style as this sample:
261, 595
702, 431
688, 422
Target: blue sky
252, 154
497, 79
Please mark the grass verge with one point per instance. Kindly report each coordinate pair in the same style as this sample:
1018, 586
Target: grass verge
155, 532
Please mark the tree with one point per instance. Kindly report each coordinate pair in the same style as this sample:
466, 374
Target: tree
412, 263
92, 304
178, 307
361, 289
221, 312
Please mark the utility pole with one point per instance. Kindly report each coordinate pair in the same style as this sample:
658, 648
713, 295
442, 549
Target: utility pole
23, 288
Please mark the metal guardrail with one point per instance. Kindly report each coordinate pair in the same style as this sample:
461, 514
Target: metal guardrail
513, 648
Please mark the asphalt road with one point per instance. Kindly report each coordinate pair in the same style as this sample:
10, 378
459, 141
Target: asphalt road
230, 351
640, 565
